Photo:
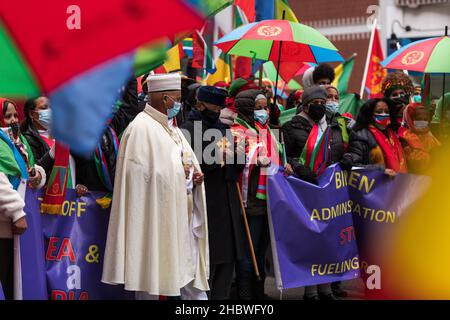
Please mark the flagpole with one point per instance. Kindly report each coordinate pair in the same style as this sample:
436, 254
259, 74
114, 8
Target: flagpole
278, 65
369, 54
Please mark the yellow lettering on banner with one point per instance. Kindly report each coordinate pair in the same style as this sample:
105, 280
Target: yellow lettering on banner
331, 268
81, 208
341, 179
335, 268
332, 212
322, 273
391, 217
323, 214
380, 216
337, 177
65, 210
353, 178
313, 269
357, 209
355, 263
315, 215
365, 182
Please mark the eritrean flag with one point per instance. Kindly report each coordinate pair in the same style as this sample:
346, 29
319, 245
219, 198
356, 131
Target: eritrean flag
80, 55
375, 71
202, 57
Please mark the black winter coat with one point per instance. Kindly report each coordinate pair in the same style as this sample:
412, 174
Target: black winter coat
360, 144
40, 149
225, 224
296, 133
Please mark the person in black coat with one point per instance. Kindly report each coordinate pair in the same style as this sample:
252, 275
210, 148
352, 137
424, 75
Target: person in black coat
34, 128
296, 132
226, 238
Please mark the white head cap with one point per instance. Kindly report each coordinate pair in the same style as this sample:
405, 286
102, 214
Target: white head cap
163, 82
260, 97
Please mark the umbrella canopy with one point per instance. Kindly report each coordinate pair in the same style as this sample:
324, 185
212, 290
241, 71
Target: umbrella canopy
428, 56
41, 56
262, 40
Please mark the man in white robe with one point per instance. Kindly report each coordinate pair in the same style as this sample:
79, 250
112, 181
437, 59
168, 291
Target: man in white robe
155, 245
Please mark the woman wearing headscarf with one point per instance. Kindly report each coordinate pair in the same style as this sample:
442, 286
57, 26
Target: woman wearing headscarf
374, 143
417, 139
398, 87
261, 151
15, 144
16, 166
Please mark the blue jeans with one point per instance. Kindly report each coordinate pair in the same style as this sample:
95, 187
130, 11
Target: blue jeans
259, 230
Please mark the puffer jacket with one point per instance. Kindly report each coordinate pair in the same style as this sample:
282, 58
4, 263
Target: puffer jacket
296, 133
360, 145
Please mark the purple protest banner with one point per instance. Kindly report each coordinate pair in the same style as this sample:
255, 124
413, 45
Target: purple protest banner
2, 296
332, 231
34, 282
312, 231
70, 247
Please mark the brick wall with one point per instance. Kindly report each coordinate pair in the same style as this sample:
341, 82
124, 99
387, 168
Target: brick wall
342, 12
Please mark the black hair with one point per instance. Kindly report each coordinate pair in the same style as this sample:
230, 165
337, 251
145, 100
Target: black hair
30, 105
291, 102
365, 116
323, 70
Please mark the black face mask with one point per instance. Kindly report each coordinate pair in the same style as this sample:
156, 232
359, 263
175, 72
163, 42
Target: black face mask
15, 128
401, 101
210, 116
316, 111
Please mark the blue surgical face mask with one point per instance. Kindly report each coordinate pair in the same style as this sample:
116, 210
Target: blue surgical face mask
45, 118
417, 98
172, 112
332, 106
261, 116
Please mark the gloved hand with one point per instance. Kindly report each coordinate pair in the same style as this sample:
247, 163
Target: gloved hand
346, 162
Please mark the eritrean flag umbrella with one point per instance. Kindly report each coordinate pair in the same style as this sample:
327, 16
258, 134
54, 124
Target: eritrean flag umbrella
262, 40
280, 41
428, 56
80, 55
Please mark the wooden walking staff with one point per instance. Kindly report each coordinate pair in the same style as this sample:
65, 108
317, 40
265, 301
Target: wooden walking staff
249, 235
